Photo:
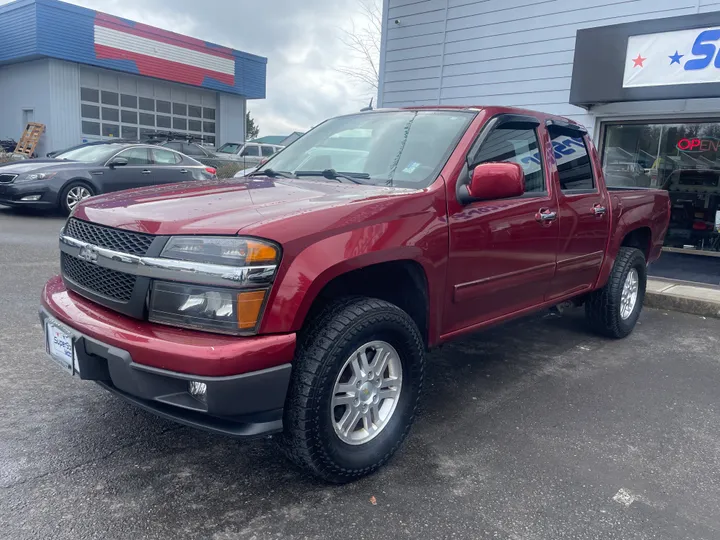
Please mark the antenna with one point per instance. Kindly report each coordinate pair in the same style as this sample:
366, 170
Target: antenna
368, 108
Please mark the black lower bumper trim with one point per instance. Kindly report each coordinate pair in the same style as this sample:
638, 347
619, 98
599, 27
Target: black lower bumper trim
254, 426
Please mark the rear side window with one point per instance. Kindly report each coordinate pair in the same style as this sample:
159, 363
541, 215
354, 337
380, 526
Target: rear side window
573, 161
267, 151
165, 157
175, 146
192, 150
515, 146
250, 150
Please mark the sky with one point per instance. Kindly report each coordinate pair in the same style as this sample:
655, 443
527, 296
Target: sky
302, 40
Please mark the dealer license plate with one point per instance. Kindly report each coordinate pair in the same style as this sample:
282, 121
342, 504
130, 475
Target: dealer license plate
60, 346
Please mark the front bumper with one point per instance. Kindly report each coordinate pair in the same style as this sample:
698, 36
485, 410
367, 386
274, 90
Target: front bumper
12, 194
244, 398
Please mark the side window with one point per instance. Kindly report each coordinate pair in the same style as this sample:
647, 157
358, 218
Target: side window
163, 157
193, 150
136, 156
573, 162
515, 146
250, 150
175, 146
267, 151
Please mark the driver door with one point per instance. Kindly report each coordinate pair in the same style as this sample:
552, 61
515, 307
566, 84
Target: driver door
135, 174
502, 252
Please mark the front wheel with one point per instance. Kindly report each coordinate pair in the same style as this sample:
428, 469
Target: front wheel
73, 194
354, 391
614, 310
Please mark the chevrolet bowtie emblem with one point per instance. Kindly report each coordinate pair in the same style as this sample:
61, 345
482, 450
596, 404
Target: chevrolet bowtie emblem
88, 253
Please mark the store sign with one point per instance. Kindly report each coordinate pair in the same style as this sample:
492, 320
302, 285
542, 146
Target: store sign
671, 58
698, 145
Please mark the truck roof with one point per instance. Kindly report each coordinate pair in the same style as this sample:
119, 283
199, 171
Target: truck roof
493, 109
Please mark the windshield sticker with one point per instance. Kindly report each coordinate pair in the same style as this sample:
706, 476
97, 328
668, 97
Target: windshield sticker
411, 167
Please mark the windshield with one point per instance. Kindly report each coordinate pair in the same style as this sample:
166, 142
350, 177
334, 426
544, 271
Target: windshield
229, 148
393, 148
99, 152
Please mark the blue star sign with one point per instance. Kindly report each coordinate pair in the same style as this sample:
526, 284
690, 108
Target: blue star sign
675, 58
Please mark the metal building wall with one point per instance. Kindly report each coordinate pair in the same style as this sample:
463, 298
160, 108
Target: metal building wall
231, 121
498, 52
25, 86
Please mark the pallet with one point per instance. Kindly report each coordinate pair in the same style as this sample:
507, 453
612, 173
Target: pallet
29, 139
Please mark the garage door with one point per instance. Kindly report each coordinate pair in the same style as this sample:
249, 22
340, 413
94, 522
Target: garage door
129, 107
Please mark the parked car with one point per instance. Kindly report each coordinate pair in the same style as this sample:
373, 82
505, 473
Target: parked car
251, 154
302, 301
201, 154
75, 175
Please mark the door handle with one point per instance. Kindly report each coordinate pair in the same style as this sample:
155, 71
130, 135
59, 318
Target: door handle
145, 171
599, 210
183, 171
545, 215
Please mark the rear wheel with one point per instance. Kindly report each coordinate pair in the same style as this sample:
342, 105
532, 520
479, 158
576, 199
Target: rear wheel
614, 310
355, 387
73, 194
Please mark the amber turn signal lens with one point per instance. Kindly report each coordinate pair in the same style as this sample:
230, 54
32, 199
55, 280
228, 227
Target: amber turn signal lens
259, 252
249, 305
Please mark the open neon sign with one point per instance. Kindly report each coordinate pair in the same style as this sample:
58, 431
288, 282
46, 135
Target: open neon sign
698, 145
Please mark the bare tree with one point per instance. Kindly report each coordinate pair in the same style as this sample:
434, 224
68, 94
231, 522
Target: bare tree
363, 44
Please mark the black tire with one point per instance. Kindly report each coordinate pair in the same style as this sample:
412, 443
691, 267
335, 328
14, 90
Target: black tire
603, 307
64, 206
309, 439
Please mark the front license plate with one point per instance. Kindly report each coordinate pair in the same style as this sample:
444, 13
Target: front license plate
60, 346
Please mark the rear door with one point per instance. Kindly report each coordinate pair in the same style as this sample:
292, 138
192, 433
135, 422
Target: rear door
168, 167
251, 155
584, 213
267, 151
502, 252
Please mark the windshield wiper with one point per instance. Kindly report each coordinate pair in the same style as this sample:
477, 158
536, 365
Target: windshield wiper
332, 174
272, 173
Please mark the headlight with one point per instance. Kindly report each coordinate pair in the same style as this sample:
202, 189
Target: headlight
231, 310
35, 176
205, 308
222, 250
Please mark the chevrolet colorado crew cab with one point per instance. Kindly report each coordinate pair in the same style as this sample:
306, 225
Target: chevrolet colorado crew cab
301, 300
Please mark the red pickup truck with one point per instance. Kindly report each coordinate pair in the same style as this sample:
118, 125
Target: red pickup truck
301, 299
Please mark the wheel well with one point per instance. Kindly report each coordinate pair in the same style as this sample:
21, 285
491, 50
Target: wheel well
640, 239
402, 283
83, 181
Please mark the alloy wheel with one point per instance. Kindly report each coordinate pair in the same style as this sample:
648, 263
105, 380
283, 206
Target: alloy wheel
366, 392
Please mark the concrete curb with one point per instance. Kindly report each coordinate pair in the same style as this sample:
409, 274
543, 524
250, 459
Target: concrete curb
693, 298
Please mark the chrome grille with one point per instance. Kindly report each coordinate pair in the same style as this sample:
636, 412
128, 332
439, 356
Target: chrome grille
103, 281
115, 239
7, 178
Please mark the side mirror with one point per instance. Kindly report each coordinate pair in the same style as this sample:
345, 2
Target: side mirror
496, 181
118, 162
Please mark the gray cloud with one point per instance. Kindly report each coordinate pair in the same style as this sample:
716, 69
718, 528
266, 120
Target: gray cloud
300, 38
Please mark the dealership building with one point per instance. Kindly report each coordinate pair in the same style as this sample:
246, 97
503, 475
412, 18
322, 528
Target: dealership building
88, 75
643, 76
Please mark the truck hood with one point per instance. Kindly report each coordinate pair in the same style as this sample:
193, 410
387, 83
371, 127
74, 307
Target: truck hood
221, 206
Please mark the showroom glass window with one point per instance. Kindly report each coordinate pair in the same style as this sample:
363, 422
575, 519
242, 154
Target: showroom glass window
682, 158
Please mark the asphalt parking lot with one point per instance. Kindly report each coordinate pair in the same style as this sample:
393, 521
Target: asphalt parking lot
536, 430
